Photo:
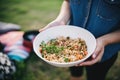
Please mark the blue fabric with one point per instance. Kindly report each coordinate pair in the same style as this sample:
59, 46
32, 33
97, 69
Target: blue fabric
99, 17
16, 58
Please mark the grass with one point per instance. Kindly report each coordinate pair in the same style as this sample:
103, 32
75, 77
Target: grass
32, 14
35, 69
35, 14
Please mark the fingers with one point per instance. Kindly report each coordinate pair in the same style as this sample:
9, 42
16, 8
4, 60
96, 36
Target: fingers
93, 60
52, 24
46, 27
96, 52
88, 63
42, 29
96, 57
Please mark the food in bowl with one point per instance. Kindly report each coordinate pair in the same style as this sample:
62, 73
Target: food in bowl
63, 49
73, 32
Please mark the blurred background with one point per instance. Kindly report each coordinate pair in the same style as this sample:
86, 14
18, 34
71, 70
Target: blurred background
33, 15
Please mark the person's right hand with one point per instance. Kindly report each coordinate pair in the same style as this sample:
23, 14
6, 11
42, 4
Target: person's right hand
52, 24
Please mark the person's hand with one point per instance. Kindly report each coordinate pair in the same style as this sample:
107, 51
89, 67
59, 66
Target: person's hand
52, 24
97, 54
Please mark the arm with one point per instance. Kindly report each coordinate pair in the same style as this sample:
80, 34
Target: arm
102, 41
111, 37
62, 18
64, 14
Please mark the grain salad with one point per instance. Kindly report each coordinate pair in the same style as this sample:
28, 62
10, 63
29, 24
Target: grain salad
63, 49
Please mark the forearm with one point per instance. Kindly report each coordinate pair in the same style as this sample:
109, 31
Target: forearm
111, 38
64, 14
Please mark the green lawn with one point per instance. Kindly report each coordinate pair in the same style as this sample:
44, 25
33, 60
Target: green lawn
30, 14
35, 14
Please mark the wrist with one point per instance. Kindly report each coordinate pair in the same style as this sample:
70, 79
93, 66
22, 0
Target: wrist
110, 38
103, 40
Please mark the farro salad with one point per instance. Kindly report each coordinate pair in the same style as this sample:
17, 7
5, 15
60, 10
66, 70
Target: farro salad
63, 49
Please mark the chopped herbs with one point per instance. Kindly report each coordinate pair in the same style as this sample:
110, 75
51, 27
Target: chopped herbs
66, 59
51, 48
63, 49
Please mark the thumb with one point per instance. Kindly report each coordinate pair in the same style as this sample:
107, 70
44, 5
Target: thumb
40, 30
95, 53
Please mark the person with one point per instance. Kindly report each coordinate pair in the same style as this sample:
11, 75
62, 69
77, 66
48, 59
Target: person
102, 19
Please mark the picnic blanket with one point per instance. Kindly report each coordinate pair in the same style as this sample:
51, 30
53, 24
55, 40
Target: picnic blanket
15, 46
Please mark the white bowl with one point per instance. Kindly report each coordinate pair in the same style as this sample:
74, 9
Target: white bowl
65, 30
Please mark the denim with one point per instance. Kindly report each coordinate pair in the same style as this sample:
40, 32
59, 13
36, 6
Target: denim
100, 17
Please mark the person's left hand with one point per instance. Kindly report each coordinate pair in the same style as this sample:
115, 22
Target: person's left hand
97, 54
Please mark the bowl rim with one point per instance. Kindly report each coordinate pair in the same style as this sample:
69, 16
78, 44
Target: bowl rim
64, 63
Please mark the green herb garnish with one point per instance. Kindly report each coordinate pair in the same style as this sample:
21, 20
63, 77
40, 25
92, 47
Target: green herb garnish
66, 59
51, 48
